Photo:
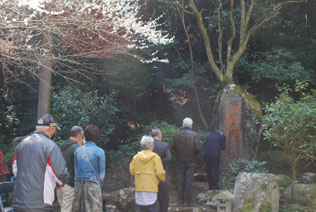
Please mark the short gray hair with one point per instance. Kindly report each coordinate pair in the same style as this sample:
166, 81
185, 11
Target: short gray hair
75, 130
146, 142
187, 122
155, 132
42, 128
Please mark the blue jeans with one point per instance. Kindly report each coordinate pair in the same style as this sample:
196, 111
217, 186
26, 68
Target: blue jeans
148, 208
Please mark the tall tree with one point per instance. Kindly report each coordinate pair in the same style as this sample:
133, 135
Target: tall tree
50, 33
246, 18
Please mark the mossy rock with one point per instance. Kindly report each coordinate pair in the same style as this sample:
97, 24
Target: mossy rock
253, 104
305, 194
256, 192
188, 209
308, 178
265, 207
284, 181
247, 208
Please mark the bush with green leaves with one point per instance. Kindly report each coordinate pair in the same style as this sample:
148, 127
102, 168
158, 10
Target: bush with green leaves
167, 130
124, 152
72, 107
277, 66
227, 179
291, 125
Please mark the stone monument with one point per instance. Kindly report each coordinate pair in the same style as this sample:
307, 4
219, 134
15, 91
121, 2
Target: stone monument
239, 115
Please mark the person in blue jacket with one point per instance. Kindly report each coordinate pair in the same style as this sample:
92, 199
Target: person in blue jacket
215, 142
89, 172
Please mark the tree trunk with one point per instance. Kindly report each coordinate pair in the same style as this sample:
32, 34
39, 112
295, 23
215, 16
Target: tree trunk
293, 166
44, 90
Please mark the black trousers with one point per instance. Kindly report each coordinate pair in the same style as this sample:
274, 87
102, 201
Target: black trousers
163, 196
212, 169
148, 208
185, 170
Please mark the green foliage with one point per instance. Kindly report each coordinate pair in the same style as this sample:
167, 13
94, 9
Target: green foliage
124, 152
167, 130
8, 119
72, 107
291, 125
277, 161
189, 79
242, 165
227, 180
127, 151
278, 66
130, 76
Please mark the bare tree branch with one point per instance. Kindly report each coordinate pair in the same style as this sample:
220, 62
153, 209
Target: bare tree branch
231, 40
206, 39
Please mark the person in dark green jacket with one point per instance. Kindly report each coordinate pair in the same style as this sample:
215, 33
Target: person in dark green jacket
65, 194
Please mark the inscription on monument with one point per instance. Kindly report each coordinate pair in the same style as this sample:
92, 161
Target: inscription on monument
232, 128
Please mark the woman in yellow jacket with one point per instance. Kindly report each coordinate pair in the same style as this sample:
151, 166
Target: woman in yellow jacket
148, 170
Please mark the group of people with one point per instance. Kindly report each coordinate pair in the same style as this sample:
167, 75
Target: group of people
148, 166
76, 168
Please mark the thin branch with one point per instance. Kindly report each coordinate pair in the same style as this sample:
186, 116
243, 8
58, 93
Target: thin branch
231, 40
176, 5
220, 36
207, 44
243, 26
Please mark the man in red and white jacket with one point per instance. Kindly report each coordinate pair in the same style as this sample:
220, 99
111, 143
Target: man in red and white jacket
38, 165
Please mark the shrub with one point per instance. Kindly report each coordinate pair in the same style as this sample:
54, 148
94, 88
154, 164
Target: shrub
290, 125
277, 161
227, 180
72, 107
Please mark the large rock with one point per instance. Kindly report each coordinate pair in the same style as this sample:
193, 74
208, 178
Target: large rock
284, 181
308, 178
238, 117
256, 193
305, 194
124, 199
188, 209
206, 198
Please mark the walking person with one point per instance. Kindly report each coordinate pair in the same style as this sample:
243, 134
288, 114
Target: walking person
148, 170
163, 150
65, 193
187, 144
89, 173
38, 165
215, 142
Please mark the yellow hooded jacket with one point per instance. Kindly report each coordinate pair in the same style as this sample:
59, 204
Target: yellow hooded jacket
147, 168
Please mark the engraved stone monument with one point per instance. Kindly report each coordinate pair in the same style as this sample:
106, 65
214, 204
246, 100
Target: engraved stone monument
238, 117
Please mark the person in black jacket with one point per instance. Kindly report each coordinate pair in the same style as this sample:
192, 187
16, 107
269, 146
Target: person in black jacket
163, 150
215, 142
65, 193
